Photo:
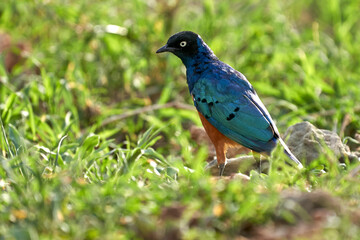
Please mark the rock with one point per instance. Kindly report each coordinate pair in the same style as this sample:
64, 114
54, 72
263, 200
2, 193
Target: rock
236, 176
233, 165
308, 142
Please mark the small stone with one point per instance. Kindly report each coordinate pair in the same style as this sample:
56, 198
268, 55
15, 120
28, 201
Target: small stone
308, 142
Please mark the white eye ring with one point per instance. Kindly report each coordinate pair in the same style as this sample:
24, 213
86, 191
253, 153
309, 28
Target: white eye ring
183, 44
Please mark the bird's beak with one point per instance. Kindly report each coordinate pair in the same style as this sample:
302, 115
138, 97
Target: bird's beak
163, 49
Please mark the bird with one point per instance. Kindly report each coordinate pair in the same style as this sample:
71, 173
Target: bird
228, 106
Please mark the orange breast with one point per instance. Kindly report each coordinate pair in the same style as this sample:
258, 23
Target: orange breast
217, 138
220, 141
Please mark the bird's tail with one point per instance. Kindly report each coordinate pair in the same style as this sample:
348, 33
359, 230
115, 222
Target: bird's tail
290, 154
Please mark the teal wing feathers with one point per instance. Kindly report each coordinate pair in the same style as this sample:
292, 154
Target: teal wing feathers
236, 111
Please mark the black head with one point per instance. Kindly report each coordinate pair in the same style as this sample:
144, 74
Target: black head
182, 44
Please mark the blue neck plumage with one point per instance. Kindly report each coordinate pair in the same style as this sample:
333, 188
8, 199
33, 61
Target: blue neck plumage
198, 63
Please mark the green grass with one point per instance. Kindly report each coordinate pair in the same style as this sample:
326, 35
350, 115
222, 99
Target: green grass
67, 172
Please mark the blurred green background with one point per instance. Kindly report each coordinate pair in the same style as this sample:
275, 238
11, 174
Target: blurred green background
72, 170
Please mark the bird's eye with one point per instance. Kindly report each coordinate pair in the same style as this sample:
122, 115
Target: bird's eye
183, 44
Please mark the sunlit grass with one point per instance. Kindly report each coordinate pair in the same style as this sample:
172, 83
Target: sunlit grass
68, 171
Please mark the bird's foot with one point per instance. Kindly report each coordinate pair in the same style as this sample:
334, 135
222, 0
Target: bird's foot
221, 169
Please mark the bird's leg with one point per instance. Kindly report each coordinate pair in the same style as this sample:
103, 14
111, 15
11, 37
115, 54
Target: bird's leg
221, 169
221, 158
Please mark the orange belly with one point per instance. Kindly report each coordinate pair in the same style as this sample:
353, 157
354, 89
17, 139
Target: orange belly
220, 141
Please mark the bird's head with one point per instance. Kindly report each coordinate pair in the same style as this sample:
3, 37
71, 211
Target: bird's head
186, 45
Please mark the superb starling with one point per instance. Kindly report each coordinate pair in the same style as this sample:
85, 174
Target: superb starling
229, 108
